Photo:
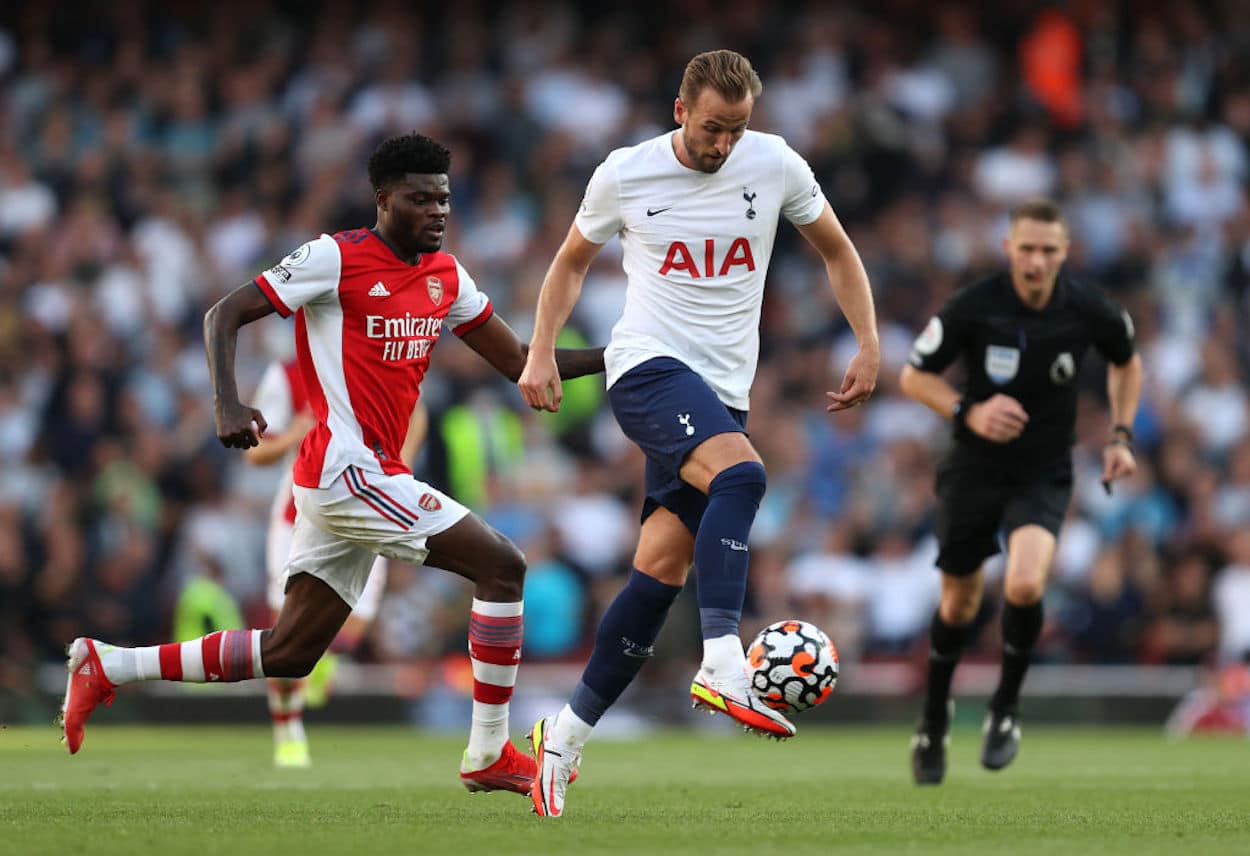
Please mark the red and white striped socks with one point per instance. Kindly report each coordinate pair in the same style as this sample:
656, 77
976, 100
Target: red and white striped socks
286, 708
495, 633
225, 656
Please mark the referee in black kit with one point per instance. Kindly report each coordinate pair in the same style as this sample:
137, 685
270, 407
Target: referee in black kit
1022, 335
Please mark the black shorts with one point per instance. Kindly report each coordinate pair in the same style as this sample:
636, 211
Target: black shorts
976, 501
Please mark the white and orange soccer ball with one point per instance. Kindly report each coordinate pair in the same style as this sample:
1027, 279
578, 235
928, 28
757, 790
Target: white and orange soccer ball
792, 665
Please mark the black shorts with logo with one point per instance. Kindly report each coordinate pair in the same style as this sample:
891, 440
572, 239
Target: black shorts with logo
976, 500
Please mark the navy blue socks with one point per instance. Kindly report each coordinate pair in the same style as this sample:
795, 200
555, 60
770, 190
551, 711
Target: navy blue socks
622, 644
720, 547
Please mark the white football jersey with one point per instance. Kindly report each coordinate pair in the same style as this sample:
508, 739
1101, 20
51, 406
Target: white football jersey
696, 249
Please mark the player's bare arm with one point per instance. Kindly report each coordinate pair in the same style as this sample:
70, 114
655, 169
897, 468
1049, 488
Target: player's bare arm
418, 429
238, 426
850, 286
498, 344
539, 380
1123, 393
271, 449
999, 418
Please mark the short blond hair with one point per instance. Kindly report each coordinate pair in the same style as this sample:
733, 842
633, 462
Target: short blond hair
727, 72
1038, 208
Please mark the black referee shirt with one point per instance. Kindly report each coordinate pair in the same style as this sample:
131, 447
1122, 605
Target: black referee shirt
1032, 355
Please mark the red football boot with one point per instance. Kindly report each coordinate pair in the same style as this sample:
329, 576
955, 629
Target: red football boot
85, 689
514, 771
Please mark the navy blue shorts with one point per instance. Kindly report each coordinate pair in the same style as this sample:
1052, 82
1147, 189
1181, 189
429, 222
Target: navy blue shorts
668, 410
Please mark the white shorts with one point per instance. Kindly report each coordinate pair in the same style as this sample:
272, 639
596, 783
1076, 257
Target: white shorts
339, 530
278, 547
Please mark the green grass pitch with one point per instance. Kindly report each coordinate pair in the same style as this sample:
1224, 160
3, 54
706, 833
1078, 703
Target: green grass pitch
201, 791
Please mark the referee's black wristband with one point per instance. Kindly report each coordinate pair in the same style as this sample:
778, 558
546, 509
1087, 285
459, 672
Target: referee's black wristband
1121, 435
959, 414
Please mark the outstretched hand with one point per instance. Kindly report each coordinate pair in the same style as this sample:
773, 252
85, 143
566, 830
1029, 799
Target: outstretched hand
858, 382
239, 426
540, 381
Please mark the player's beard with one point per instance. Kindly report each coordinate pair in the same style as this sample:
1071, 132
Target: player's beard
702, 162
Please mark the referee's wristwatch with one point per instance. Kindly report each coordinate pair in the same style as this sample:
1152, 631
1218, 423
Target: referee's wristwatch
1121, 435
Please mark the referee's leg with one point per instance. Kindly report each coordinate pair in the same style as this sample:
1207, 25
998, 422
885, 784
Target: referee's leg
948, 634
1030, 551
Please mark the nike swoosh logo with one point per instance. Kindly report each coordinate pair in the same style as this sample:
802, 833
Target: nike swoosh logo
651, 212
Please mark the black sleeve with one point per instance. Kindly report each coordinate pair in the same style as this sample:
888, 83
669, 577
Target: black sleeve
1113, 332
943, 338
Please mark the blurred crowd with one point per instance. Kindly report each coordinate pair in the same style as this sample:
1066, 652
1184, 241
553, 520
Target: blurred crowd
154, 156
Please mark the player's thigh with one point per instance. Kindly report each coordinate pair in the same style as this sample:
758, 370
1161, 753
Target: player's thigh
473, 549
670, 412
277, 548
715, 455
665, 548
1031, 518
967, 520
1030, 551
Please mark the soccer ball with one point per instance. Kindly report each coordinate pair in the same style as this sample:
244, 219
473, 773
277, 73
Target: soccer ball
792, 665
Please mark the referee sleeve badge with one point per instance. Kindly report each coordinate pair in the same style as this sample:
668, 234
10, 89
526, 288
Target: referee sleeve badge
930, 338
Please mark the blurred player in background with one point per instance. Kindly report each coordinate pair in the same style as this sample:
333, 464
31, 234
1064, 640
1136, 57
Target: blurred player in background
696, 210
281, 396
370, 305
1022, 336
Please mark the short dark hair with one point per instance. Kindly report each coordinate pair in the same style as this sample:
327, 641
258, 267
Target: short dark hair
1038, 208
397, 156
727, 72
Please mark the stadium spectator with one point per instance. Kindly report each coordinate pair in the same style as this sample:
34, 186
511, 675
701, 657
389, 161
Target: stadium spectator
258, 106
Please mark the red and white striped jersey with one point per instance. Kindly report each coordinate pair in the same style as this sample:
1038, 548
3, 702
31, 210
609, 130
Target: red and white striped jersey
365, 324
281, 397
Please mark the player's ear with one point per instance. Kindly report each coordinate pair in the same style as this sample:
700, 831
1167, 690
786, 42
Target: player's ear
679, 111
381, 198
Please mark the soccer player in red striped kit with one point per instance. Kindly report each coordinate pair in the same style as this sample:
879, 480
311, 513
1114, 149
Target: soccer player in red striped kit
369, 305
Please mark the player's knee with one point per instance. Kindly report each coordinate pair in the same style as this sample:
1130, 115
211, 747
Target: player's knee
1024, 591
670, 570
748, 479
959, 608
508, 565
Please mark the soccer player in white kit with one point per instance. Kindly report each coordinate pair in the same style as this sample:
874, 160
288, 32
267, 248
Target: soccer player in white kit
696, 210
369, 305
283, 398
